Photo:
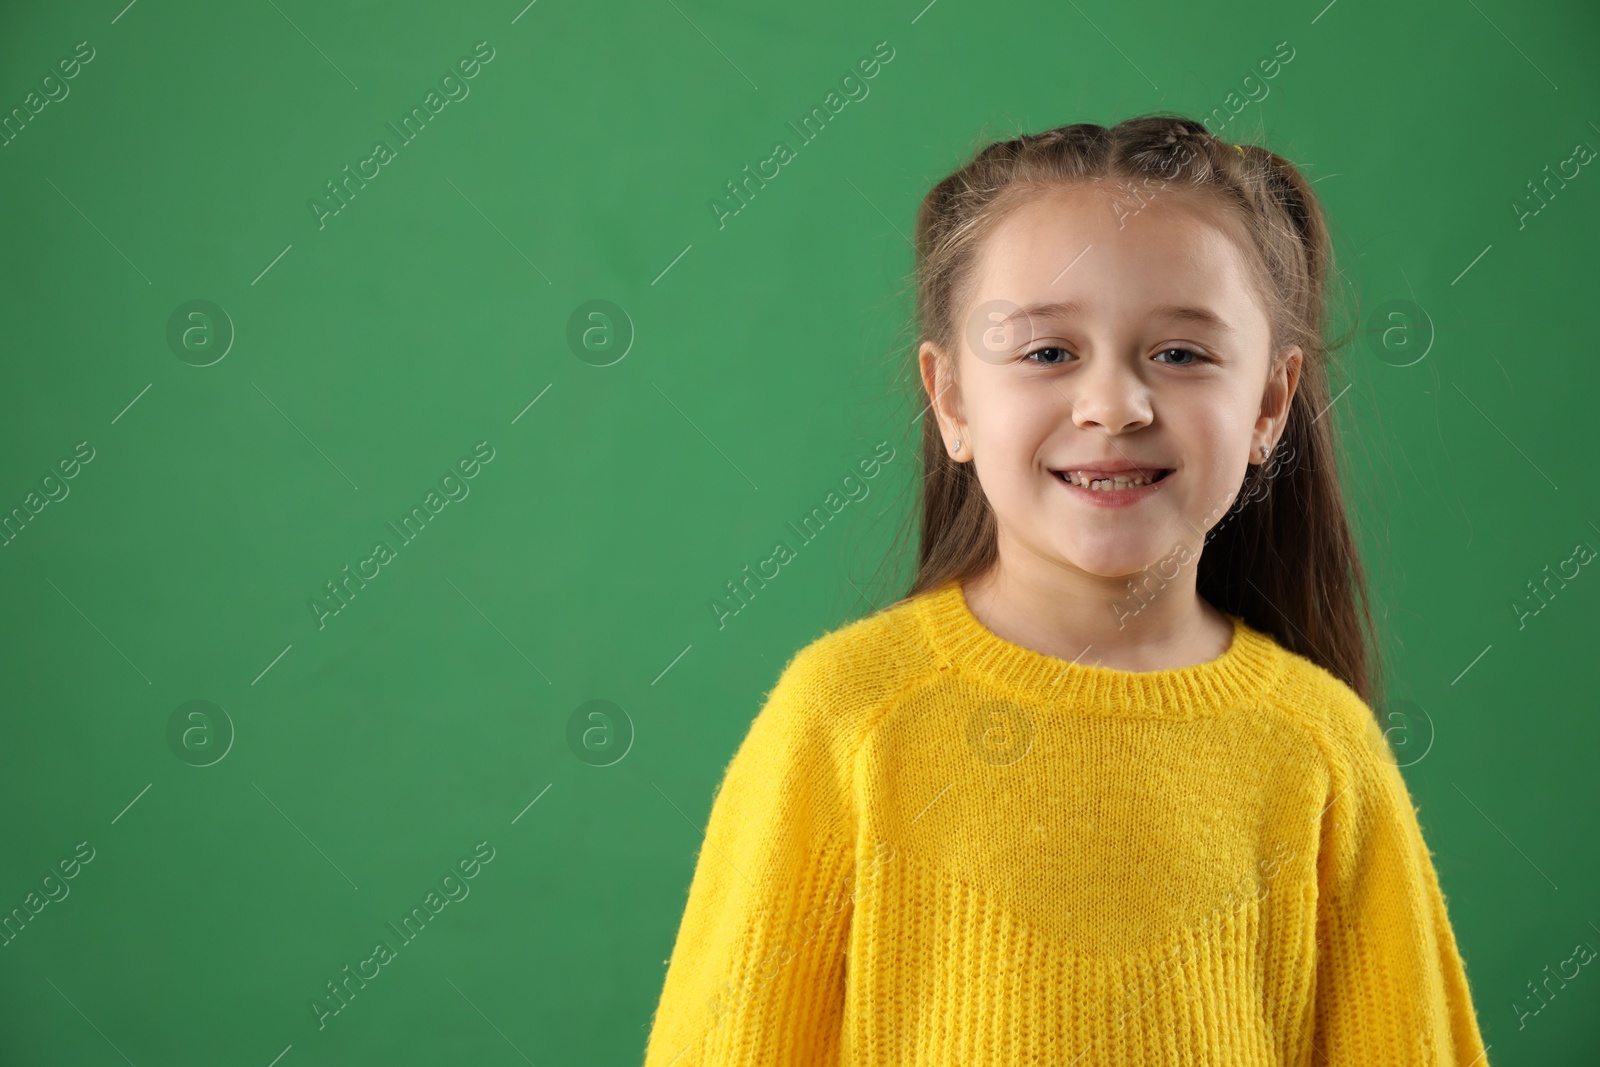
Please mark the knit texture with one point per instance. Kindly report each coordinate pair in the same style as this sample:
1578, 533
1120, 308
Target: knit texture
936, 847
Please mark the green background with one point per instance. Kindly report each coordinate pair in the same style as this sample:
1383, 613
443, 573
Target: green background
360, 759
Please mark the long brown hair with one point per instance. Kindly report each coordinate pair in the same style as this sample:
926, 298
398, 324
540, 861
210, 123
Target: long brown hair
1284, 558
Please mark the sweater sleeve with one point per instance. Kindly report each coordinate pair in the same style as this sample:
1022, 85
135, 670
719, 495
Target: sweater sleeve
1391, 986
757, 972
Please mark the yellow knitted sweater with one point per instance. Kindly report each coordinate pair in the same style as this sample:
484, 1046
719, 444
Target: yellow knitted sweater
936, 847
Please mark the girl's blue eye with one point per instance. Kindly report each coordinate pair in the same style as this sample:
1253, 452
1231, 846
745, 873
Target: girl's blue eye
1186, 351
1046, 348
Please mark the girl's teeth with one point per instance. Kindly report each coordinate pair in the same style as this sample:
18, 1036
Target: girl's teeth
1104, 484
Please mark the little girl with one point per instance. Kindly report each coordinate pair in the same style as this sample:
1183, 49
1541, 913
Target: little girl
1106, 786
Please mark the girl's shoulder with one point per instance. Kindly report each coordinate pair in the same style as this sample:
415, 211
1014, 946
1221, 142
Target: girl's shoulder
851, 671
829, 696
1324, 703
897, 626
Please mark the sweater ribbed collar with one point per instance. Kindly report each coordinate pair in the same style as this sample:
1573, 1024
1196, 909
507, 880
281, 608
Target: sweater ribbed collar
1237, 679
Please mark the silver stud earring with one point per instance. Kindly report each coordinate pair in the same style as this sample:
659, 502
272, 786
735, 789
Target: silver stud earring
957, 446
1265, 452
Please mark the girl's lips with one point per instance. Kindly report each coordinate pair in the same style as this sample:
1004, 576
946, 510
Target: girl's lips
1113, 498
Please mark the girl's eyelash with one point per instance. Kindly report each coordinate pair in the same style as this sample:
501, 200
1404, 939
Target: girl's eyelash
1200, 357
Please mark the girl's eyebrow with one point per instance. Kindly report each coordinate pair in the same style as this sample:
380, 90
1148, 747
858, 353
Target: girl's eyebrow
1067, 309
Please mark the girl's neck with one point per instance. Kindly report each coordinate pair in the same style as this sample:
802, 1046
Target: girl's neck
1171, 629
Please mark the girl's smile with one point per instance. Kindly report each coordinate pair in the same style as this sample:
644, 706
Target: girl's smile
1102, 489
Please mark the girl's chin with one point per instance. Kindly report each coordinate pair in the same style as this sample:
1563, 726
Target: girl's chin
1110, 555
1124, 570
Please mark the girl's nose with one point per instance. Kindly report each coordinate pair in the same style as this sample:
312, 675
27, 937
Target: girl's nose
1109, 398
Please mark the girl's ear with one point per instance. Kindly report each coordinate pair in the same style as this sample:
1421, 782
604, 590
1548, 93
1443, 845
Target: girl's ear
944, 396
1292, 361
1282, 379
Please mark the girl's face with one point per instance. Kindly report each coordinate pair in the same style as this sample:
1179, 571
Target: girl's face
1096, 339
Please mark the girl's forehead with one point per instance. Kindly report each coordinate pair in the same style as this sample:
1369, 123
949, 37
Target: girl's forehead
1067, 244
1075, 249
1090, 214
